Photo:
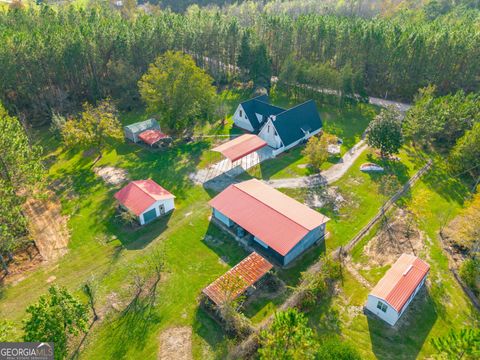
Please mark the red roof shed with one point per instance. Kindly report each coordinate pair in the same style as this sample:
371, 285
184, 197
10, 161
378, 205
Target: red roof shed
139, 195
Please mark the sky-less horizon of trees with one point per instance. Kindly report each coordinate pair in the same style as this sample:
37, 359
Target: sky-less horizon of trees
53, 60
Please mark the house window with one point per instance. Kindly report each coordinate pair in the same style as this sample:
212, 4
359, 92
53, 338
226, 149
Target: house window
241, 113
382, 306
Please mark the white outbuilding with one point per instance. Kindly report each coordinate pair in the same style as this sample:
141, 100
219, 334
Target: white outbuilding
146, 199
391, 296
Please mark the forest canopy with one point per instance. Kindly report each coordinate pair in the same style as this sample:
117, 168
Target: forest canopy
91, 53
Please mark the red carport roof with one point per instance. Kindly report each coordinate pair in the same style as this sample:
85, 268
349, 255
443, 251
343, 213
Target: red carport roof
401, 280
139, 195
151, 136
238, 279
276, 219
240, 147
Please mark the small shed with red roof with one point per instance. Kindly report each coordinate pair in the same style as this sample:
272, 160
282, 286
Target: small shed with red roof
152, 137
391, 296
146, 199
278, 225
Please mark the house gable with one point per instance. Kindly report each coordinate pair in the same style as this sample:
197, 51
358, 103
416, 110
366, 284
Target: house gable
251, 114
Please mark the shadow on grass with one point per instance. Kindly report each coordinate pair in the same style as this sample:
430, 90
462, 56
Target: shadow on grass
224, 245
211, 332
139, 237
406, 338
131, 329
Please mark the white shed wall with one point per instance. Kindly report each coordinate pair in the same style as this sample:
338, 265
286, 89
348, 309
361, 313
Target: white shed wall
390, 316
168, 204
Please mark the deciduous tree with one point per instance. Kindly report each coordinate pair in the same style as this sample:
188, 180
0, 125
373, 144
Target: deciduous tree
54, 318
20, 173
385, 132
178, 90
93, 128
316, 149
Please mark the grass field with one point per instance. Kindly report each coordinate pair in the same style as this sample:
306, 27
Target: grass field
195, 251
437, 309
348, 123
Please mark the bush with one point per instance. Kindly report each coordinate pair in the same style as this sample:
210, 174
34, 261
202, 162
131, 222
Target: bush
470, 273
335, 349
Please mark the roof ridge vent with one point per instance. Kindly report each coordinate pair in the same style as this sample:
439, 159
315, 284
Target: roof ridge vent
407, 269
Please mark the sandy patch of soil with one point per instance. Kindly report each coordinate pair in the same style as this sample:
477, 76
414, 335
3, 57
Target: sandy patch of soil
325, 197
397, 236
176, 344
111, 175
48, 226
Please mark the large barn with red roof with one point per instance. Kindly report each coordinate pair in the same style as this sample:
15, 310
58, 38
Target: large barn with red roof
146, 199
391, 296
279, 226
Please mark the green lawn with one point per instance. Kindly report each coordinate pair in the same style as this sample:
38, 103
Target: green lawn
443, 306
102, 247
348, 123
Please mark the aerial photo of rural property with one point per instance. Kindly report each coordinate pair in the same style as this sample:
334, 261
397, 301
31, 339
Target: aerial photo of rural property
240, 179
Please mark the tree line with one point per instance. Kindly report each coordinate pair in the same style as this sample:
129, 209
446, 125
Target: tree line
53, 60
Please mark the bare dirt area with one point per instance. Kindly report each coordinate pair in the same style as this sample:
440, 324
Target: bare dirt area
23, 261
176, 344
112, 175
398, 234
48, 227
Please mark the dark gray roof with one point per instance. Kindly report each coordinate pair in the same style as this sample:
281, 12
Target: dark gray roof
292, 124
259, 105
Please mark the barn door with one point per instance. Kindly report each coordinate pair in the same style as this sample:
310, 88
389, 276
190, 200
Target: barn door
149, 215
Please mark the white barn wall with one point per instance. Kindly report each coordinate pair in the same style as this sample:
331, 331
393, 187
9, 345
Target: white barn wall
168, 204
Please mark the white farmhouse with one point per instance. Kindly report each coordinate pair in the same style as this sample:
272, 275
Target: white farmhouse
281, 129
291, 127
252, 114
146, 199
391, 296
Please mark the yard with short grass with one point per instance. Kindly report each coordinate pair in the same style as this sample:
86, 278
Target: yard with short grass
196, 251
437, 308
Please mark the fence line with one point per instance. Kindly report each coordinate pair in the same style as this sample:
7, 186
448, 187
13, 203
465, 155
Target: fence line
387, 206
245, 349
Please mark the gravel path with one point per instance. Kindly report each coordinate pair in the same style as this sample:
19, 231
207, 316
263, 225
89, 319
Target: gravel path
325, 177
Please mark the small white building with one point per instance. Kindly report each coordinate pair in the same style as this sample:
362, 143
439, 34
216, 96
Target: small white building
391, 296
146, 199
